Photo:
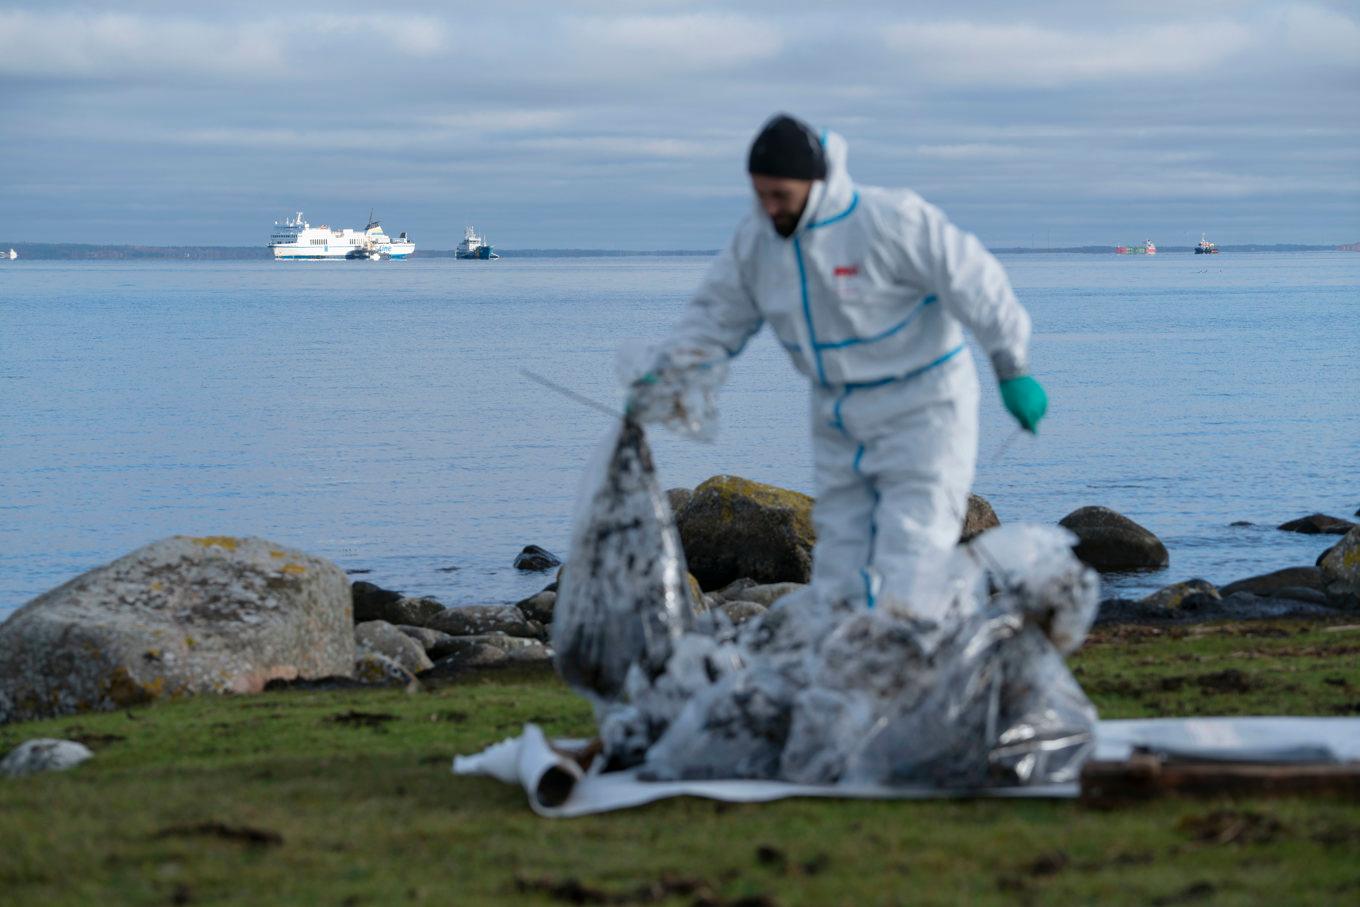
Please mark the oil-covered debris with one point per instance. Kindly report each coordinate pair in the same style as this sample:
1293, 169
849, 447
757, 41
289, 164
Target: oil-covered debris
622, 600
816, 691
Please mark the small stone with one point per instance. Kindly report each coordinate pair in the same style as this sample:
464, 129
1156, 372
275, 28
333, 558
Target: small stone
678, 498
413, 611
732, 591
1301, 594
767, 595
486, 651
476, 620
1269, 583
385, 639
1318, 524
539, 606
696, 594
374, 669
369, 600
739, 612
1342, 560
979, 519
1241, 523
429, 640
1173, 597
43, 754
535, 558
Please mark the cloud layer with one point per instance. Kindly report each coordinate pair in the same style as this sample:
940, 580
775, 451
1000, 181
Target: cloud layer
624, 124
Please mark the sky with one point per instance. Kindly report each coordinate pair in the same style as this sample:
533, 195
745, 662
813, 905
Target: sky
624, 125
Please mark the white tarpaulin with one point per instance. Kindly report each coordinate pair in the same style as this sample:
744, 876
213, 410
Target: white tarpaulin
557, 787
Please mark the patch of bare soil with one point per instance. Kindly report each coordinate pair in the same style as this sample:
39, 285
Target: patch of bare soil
241, 834
1230, 826
571, 890
362, 719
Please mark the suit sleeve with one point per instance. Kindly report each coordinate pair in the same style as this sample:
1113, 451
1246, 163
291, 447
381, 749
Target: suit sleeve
972, 285
722, 315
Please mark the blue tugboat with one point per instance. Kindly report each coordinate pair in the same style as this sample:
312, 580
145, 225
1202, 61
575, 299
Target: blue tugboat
1205, 247
474, 246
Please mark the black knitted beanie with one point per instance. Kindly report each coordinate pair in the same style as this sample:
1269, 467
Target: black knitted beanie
788, 148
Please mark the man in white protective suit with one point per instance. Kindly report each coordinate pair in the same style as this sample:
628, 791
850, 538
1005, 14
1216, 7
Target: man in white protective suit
869, 290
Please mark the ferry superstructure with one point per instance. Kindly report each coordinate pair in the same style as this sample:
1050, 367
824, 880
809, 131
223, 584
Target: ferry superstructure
296, 240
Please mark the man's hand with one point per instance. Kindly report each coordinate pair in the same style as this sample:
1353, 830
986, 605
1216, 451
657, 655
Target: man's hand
637, 393
1026, 401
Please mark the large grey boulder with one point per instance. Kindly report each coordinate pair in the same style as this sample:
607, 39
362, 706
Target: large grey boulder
1109, 541
733, 528
177, 617
381, 637
43, 754
475, 620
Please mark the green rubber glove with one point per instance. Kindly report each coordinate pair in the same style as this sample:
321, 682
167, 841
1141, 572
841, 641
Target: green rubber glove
634, 403
1026, 401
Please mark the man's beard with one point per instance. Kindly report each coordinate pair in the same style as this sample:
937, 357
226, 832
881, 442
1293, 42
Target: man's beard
785, 225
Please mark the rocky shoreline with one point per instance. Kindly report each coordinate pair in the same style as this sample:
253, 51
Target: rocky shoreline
186, 616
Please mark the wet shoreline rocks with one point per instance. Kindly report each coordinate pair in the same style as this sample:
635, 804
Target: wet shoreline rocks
1109, 541
187, 616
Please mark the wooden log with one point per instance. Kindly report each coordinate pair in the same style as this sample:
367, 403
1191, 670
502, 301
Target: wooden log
1145, 776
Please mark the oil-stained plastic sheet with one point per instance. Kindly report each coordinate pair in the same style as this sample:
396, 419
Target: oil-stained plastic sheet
540, 768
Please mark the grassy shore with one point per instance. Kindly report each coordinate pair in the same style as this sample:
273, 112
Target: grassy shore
346, 798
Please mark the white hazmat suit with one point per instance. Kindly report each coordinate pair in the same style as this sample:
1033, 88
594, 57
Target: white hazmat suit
869, 296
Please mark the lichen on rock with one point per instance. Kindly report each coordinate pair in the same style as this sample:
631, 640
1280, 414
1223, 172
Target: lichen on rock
177, 617
734, 528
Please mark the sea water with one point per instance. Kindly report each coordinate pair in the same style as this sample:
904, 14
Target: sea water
376, 414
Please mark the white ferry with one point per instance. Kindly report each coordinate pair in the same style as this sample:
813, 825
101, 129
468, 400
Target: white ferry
296, 240
11, 256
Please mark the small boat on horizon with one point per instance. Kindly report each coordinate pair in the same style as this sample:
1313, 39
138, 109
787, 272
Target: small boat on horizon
474, 246
12, 255
1205, 247
1146, 248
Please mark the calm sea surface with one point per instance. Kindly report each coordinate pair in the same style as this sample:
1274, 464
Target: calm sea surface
374, 412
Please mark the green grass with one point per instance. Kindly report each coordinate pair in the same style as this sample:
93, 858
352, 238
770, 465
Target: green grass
269, 799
